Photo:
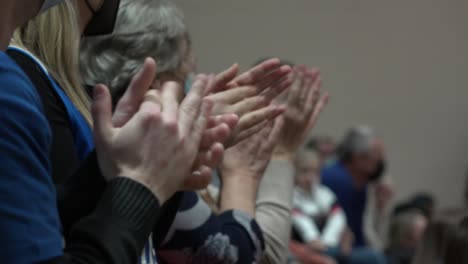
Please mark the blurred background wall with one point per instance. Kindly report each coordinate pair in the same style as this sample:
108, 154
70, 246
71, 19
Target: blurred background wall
399, 66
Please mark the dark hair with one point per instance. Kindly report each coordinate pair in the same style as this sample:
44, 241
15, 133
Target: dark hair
423, 202
445, 241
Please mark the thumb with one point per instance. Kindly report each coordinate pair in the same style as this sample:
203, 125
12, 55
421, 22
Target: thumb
130, 102
102, 112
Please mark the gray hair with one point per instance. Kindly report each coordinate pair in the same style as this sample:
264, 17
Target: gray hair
144, 28
358, 139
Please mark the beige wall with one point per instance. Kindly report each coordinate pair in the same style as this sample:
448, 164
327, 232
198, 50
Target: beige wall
400, 66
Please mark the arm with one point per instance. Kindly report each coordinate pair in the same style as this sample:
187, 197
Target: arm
305, 227
376, 218
29, 221
273, 211
334, 228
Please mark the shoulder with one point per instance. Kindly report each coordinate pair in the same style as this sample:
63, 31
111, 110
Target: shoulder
37, 73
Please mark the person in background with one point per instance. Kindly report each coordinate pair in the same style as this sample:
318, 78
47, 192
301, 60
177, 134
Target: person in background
360, 162
422, 202
318, 221
445, 240
139, 178
325, 146
405, 234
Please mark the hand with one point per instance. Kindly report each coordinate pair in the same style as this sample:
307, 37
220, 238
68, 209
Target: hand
249, 95
346, 242
304, 103
249, 158
158, 145
243, 167
219, 127
317, 245
384, 194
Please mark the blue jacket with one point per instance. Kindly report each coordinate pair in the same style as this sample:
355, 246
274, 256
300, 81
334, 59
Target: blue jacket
29, 222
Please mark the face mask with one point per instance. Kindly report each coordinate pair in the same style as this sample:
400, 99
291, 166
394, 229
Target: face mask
103, 20
48, 4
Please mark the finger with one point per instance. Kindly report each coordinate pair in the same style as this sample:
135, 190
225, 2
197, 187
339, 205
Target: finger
129, 103
297, 86
248, 105
200, 123
217, 153
310, 79
219, 133
102, 112
211, 157
199, 179
275, 133
274, 91
318, 110
190, 107
243, 134
222, 79
229, 119
233, 95
256, 73
170, 107
251, 119
153, 96
313, 96
274, 76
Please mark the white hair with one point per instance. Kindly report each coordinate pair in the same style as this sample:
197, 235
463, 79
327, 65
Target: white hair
144, 28
358, 139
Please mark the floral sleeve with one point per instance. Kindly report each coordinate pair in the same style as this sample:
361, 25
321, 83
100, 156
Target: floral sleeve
198, 235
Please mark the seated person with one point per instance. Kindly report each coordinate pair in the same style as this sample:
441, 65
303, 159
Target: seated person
317, 217
406, 231
355, 178
318, 220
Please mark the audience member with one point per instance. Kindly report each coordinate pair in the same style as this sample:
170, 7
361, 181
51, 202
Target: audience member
445, 241
139, 177
405, 233
423, 202
360, 162
325, 147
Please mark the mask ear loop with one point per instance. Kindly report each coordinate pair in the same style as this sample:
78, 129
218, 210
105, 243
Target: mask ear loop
90, 7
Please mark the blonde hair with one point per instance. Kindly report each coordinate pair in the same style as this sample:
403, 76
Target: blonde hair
54, 38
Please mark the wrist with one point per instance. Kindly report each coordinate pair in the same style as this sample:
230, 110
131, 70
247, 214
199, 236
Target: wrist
160, 192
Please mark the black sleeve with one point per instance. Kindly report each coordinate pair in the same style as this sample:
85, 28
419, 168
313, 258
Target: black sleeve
117, 230
63, 155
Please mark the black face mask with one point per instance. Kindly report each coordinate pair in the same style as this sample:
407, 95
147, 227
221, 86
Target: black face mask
379, 171
103, 20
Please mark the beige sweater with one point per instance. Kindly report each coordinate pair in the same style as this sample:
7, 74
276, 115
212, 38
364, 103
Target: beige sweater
273, 211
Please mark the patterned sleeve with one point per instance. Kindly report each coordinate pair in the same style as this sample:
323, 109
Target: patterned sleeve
198, 235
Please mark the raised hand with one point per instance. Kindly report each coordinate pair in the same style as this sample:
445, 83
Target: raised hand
158, 145
219, 126
243, 167
304, 103
249, 96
